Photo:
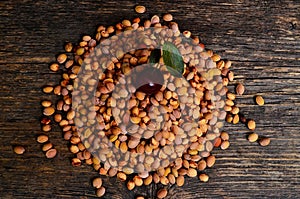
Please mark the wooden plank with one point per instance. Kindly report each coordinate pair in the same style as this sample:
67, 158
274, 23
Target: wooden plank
262, 38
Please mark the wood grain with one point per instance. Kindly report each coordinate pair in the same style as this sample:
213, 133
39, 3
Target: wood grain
262, 38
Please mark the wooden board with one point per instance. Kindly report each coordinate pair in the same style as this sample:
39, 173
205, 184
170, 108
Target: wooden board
262, 38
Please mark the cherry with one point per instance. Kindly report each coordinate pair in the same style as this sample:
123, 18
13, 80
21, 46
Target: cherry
148, 79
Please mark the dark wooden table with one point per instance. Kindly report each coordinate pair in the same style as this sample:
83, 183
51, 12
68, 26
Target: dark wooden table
262, 38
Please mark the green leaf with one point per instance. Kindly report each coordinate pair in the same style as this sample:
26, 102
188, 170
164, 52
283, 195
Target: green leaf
173, 59
155, 56
173, 71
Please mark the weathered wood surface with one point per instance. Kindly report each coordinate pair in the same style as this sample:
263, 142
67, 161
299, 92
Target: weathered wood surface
262, 38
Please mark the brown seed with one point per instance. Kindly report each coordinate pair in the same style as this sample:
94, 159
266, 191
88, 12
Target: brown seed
251, 125
229, 118
259, 100
110, 29
71, 115
61, 58
225, 81
74, 149
203, 177
57, 90
54, 67
186, 163
80, 51
46, 103
230, 76
148, 180
161, 171
135, 120
210, 161
236, 119
156, 178
231, 96
57, 118
122, 176
138, 181
140, 9
182, 171
76, 162
68, 64
130, 185
227, 108
220, 64
46, 128
96, 160
168, 95
42, 138
253, 137
135, 111
229, 102
228, 64
201, 165
217, 142
167, 17
86, 38
225, 144
19, 150
164, 180
240, 89
68, 47
75, 139
45, 120
89, 161
162, 193
140, 95
216, 57
59, 105
86, 153
235, 110
100, 192
51, 153
80, 156
47, 146
97, 183
112, 172
82, 44
68, 135
155, 19
48, 89
192, 172
171, 178
180, 181
264, 141
123, 147
63, 123
102, 171
49, 111
224, 136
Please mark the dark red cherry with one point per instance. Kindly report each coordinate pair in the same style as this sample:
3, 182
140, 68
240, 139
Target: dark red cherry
148, 79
